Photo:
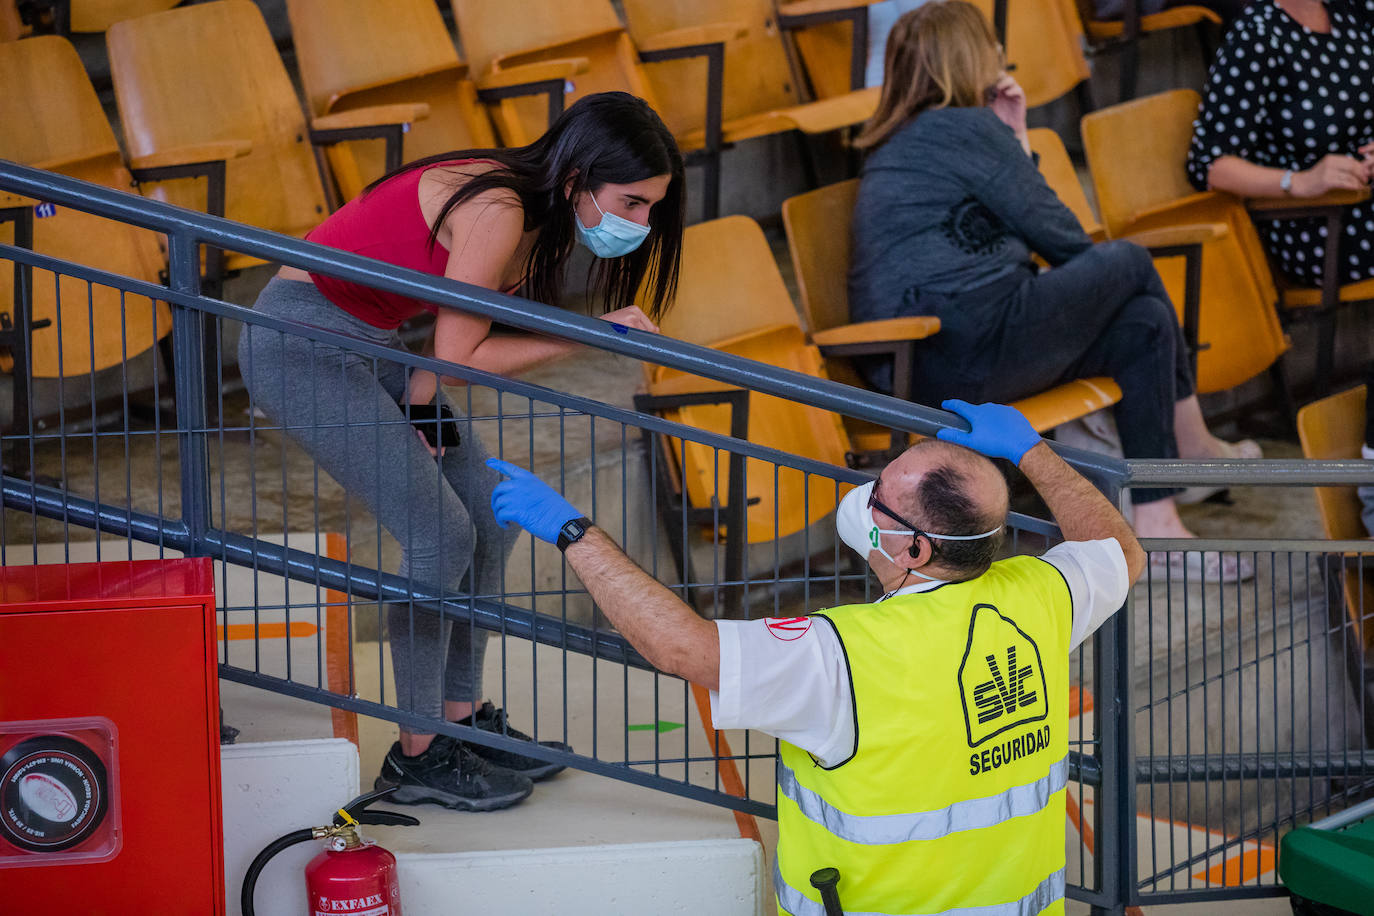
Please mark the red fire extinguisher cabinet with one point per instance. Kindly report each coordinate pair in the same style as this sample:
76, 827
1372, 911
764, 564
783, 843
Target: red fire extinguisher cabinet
109, 739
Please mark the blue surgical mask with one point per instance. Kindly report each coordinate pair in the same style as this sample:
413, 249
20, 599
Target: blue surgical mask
613, 237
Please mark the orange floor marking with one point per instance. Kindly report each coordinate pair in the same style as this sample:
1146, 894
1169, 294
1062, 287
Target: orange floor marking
1238, 869
1077, 696
729, 773
336, 644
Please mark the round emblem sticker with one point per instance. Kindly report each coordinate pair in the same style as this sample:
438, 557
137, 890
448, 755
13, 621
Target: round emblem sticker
788, 628
53, 793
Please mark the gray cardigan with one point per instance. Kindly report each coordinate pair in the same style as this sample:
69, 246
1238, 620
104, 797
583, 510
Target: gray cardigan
950, 203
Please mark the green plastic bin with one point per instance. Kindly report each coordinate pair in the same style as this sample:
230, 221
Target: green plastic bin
1330, 863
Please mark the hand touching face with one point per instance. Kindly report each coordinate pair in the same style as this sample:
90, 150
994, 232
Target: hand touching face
1008, 102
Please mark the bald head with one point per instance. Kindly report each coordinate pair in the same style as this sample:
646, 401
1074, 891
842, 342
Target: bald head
949, 489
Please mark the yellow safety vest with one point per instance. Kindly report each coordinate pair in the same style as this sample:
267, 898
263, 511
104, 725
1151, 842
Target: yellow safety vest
953, 800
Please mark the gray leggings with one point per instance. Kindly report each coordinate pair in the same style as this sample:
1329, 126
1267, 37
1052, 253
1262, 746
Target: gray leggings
341, 407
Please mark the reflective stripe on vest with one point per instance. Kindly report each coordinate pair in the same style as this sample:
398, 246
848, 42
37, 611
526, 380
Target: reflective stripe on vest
1048, 891
883, 829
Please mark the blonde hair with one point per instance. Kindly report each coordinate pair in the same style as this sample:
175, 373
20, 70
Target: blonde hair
940, 55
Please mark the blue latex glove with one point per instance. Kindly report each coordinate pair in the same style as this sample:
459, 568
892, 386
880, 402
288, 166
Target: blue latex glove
998, 431
529, 502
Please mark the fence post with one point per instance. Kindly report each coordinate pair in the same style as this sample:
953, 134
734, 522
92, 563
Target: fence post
188, 372
1114, 860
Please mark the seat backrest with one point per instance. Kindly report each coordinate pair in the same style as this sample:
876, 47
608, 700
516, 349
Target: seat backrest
758, 77
817, 226
380, 52
494, 34
45, 90
208, 73
1062, 177
1137, 151
729, 284
780, 501
826, 53
49, 106
1332, 429
731, 297
1044, 42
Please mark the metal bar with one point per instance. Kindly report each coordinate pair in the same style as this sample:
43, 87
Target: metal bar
188, 333
496, 740
891, 412
276, 559
19, 337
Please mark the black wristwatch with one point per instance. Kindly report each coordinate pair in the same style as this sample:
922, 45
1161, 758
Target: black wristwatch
572, 532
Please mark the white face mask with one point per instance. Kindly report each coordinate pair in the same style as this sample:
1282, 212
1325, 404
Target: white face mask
855, 525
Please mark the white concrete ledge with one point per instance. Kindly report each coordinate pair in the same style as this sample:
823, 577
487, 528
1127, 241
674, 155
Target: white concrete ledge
721, 877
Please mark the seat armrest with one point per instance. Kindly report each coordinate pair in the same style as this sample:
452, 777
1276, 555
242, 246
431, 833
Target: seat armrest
543, 77
1277, 207
799, 8
693, 36
455, 69
191, 155
373, 116
563, 68
680, 385
1179, 205
533, 54
888, 330
10, 201
57, 163
1179, 236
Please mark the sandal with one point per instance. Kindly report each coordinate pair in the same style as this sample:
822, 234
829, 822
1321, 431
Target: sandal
1187, 566
1246, 449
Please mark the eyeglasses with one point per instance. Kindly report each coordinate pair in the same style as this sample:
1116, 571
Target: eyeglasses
875, 503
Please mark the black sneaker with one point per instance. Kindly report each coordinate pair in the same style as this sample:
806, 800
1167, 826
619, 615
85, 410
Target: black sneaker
490, 719
450, 774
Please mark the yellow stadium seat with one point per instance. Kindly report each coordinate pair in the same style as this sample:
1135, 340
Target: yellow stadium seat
196, 81
1319, 303
1043, 40
812, 221
99, 15
1332, 429
732, 298
1125, 34
365, 53
761, 95
1062, 177
1136, 153
499, 36
44, 88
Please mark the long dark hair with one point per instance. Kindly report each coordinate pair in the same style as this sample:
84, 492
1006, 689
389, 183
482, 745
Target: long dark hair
605, 138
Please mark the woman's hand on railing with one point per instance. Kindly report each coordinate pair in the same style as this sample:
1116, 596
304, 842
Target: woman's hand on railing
631, 317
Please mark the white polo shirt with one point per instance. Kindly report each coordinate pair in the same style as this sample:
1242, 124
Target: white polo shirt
789, 678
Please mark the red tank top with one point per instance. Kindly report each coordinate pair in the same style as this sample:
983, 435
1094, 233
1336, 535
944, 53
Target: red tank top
384, 223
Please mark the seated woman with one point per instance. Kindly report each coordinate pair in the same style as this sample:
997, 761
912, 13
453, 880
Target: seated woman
1289, 110
950, 207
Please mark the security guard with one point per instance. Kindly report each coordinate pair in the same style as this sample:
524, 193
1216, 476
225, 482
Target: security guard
924, 736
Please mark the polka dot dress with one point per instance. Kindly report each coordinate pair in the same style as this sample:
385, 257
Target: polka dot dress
1282, 96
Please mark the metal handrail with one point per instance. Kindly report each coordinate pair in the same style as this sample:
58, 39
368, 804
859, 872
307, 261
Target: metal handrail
884, 410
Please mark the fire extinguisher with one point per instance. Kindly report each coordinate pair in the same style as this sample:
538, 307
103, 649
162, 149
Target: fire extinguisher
352, 874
